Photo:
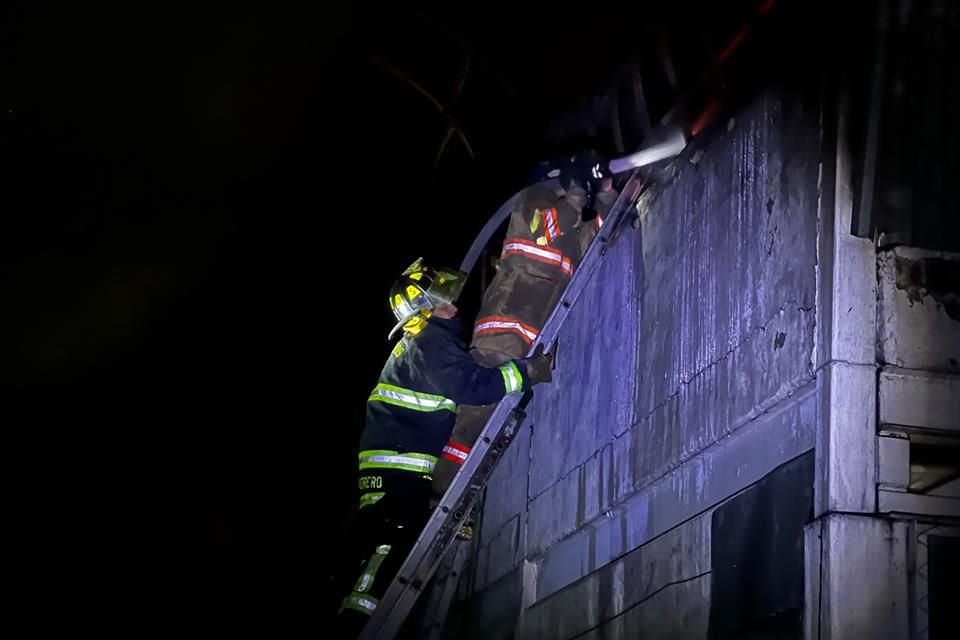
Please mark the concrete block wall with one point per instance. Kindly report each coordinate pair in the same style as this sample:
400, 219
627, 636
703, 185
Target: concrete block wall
742, 324
693, 348
664, 585
739, 326
888, 331
919, 290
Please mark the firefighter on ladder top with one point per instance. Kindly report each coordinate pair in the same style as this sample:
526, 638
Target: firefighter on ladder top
549, 231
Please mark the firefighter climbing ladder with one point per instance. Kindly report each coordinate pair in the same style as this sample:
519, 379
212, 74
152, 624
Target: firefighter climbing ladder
439, 534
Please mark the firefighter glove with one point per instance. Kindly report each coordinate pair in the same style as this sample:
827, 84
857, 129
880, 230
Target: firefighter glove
539, 366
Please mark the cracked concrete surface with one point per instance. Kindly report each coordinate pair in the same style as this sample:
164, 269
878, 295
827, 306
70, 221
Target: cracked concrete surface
705, 320
917, 317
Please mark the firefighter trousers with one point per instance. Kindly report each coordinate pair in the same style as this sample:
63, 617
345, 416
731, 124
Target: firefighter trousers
381, 536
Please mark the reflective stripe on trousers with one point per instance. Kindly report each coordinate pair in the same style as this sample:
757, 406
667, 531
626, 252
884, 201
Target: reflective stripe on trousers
360, 602
368, 499
365, 581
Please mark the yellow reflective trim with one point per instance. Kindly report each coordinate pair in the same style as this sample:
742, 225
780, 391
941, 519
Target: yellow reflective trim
365, 581
366, 453
360, 602
512, 380
368, 499
385, 459
416, 324
409, 399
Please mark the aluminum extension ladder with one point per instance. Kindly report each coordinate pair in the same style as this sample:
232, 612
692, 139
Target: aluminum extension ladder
439, 534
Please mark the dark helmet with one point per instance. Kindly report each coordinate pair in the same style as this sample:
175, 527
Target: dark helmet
586, 170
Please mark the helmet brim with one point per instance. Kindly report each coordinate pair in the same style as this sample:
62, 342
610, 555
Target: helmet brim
397, 327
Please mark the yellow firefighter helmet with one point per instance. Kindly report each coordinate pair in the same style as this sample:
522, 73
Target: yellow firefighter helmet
419, 290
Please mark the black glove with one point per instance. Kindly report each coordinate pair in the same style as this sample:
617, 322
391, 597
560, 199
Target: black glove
539, 366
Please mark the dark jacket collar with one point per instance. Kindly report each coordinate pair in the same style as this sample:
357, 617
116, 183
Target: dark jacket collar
453, 325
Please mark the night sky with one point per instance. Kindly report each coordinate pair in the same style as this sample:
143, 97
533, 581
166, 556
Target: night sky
203, 209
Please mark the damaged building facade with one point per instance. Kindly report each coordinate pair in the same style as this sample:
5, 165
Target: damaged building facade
752, 429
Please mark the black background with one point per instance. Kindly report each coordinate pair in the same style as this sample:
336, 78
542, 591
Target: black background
203, 207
